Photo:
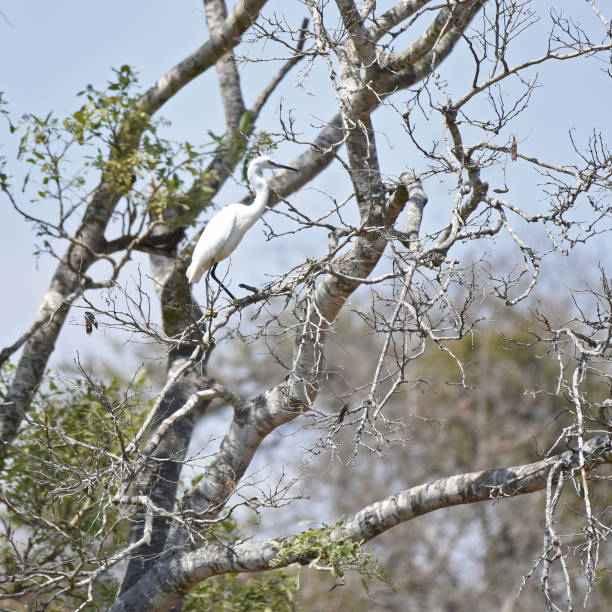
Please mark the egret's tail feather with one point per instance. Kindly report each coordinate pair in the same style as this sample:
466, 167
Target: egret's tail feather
194, 274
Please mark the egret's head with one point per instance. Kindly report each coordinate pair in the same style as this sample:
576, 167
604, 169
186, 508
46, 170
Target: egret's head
261, 163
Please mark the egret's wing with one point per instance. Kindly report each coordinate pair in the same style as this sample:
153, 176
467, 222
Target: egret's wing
210, 245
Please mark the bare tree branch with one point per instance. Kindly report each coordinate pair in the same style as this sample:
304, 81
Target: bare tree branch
170, 579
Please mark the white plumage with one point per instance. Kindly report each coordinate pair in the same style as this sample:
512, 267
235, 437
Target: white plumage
225, 230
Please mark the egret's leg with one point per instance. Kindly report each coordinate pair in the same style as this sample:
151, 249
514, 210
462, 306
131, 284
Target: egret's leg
212, 273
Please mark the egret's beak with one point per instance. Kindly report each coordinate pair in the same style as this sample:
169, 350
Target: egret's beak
285, 167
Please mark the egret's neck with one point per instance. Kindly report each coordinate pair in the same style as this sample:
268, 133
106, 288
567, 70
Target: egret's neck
261, 189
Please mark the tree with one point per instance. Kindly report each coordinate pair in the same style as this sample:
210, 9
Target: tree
93, 470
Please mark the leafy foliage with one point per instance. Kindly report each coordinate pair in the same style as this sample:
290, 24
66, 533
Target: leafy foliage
60, 484
274, 590
325, 551
111, 135
269, 592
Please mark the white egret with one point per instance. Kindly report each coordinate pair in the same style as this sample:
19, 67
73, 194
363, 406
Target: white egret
225, 229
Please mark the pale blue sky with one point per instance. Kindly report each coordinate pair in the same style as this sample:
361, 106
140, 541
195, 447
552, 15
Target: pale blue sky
50, 50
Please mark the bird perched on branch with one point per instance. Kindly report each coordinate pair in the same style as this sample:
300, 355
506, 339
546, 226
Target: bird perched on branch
225, 230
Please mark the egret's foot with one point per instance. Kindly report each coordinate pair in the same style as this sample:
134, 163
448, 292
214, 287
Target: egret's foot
210, 313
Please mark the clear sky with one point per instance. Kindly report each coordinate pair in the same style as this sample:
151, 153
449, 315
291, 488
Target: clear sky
50, 50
